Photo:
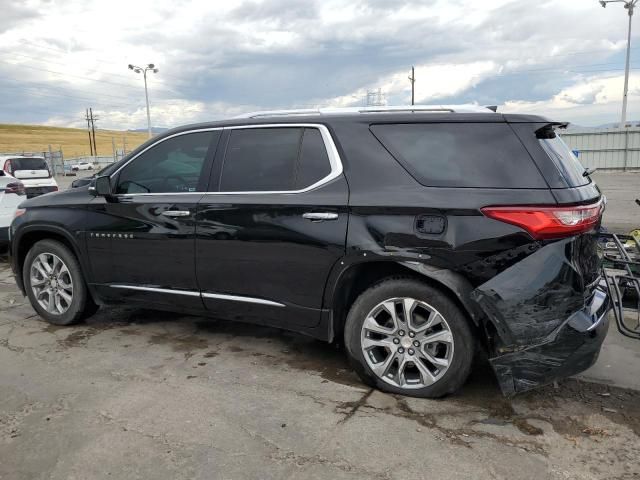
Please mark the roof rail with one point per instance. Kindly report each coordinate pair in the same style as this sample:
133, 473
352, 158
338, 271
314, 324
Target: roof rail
376, 109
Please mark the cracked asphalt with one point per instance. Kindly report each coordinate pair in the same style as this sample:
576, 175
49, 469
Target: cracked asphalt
142, 394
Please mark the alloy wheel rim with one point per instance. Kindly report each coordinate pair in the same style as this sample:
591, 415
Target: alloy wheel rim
407, 343
51, 283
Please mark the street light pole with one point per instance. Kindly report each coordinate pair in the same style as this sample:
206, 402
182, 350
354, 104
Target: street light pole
629, 5
150, 67
146, 96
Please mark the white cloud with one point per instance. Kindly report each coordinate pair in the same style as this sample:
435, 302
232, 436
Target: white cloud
220, 58
586, 101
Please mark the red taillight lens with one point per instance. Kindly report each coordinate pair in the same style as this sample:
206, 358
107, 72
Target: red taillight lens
548, 222
15, 187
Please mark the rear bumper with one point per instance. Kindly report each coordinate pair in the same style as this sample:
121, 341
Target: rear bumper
572, 348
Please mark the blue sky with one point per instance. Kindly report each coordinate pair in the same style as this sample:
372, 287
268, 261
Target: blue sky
563, 59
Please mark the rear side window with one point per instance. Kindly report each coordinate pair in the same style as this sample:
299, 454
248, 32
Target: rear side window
274, 159
564, 159
314, 162
481, 155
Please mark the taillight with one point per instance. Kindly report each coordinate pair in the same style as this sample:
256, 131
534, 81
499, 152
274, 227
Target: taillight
548, 222
15, 187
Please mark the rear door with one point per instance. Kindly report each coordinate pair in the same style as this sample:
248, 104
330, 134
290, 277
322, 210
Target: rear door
272, 224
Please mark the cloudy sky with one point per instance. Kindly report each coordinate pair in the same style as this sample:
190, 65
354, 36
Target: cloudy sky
562, 58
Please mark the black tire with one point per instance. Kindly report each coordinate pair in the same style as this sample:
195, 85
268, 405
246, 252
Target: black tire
463, 341
82, 306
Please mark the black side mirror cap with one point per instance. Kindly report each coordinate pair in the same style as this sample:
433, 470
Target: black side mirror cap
101, 186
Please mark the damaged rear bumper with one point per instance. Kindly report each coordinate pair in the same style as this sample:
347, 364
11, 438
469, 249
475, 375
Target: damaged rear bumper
546, 314
572, 348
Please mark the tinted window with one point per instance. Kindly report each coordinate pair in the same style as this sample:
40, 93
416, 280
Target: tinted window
28, 164
314, 162
562, 156
486, 155
171, 166
260, 159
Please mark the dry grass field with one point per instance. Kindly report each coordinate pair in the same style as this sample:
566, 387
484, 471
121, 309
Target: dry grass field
73, 141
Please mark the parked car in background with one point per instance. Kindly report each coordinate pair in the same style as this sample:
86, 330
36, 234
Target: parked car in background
82, 166
12, 194
32, 171
413, 235
85, 181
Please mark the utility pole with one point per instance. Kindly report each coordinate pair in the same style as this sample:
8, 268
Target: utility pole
89, 132
629, 5
412, 79
93, 130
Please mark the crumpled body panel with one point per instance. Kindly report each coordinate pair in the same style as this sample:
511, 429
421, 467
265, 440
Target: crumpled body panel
548, 312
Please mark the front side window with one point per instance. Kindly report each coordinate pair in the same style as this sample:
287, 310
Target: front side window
274, 159
171, 166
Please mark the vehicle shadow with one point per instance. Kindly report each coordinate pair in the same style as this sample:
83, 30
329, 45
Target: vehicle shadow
193, 335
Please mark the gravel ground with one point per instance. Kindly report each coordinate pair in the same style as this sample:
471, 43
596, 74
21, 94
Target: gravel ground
141, 394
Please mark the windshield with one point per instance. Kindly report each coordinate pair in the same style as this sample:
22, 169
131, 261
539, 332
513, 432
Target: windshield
28, 164
564, 159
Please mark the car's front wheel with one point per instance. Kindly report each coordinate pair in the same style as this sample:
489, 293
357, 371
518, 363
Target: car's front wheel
55, 285
403, 336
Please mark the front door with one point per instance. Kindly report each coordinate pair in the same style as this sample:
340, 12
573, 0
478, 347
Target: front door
141, 239
272, 225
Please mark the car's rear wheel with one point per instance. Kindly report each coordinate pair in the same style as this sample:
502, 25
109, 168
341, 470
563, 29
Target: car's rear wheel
403, 336
55, 285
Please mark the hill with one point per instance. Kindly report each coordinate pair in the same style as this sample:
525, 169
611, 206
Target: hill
73, 141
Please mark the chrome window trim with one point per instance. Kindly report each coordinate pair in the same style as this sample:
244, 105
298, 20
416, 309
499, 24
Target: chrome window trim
193, 293
335, 161
238, 298
186, 132
332, 152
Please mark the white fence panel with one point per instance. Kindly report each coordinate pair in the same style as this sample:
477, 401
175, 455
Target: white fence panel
609, 148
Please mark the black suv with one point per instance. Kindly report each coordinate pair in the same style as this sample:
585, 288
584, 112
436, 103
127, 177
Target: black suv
416, 236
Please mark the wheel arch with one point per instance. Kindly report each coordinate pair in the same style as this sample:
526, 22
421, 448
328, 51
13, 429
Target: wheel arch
356, 278
29, 236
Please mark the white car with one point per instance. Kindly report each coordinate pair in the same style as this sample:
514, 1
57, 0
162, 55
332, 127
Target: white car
32, 171
82, 166
12, 194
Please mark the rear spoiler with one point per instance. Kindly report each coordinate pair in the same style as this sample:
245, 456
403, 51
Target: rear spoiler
549, 130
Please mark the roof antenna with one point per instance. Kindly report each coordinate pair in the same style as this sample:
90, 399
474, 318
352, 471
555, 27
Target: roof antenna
493, 108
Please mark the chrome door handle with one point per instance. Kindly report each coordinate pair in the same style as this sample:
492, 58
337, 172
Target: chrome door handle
320, 216
176, 213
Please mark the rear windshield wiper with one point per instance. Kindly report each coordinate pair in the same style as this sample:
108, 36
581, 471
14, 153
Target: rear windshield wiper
588, 172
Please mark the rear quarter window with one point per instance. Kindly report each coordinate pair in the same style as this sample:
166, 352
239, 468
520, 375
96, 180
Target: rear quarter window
563, 158
480, 155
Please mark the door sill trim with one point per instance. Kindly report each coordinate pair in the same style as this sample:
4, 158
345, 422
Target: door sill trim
193, 293
219, 296
190, 293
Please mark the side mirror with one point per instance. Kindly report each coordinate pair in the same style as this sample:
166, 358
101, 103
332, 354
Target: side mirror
102, 186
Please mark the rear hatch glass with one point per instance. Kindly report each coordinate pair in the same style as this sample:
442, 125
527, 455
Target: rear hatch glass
35, 167
473, 155
562, 156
